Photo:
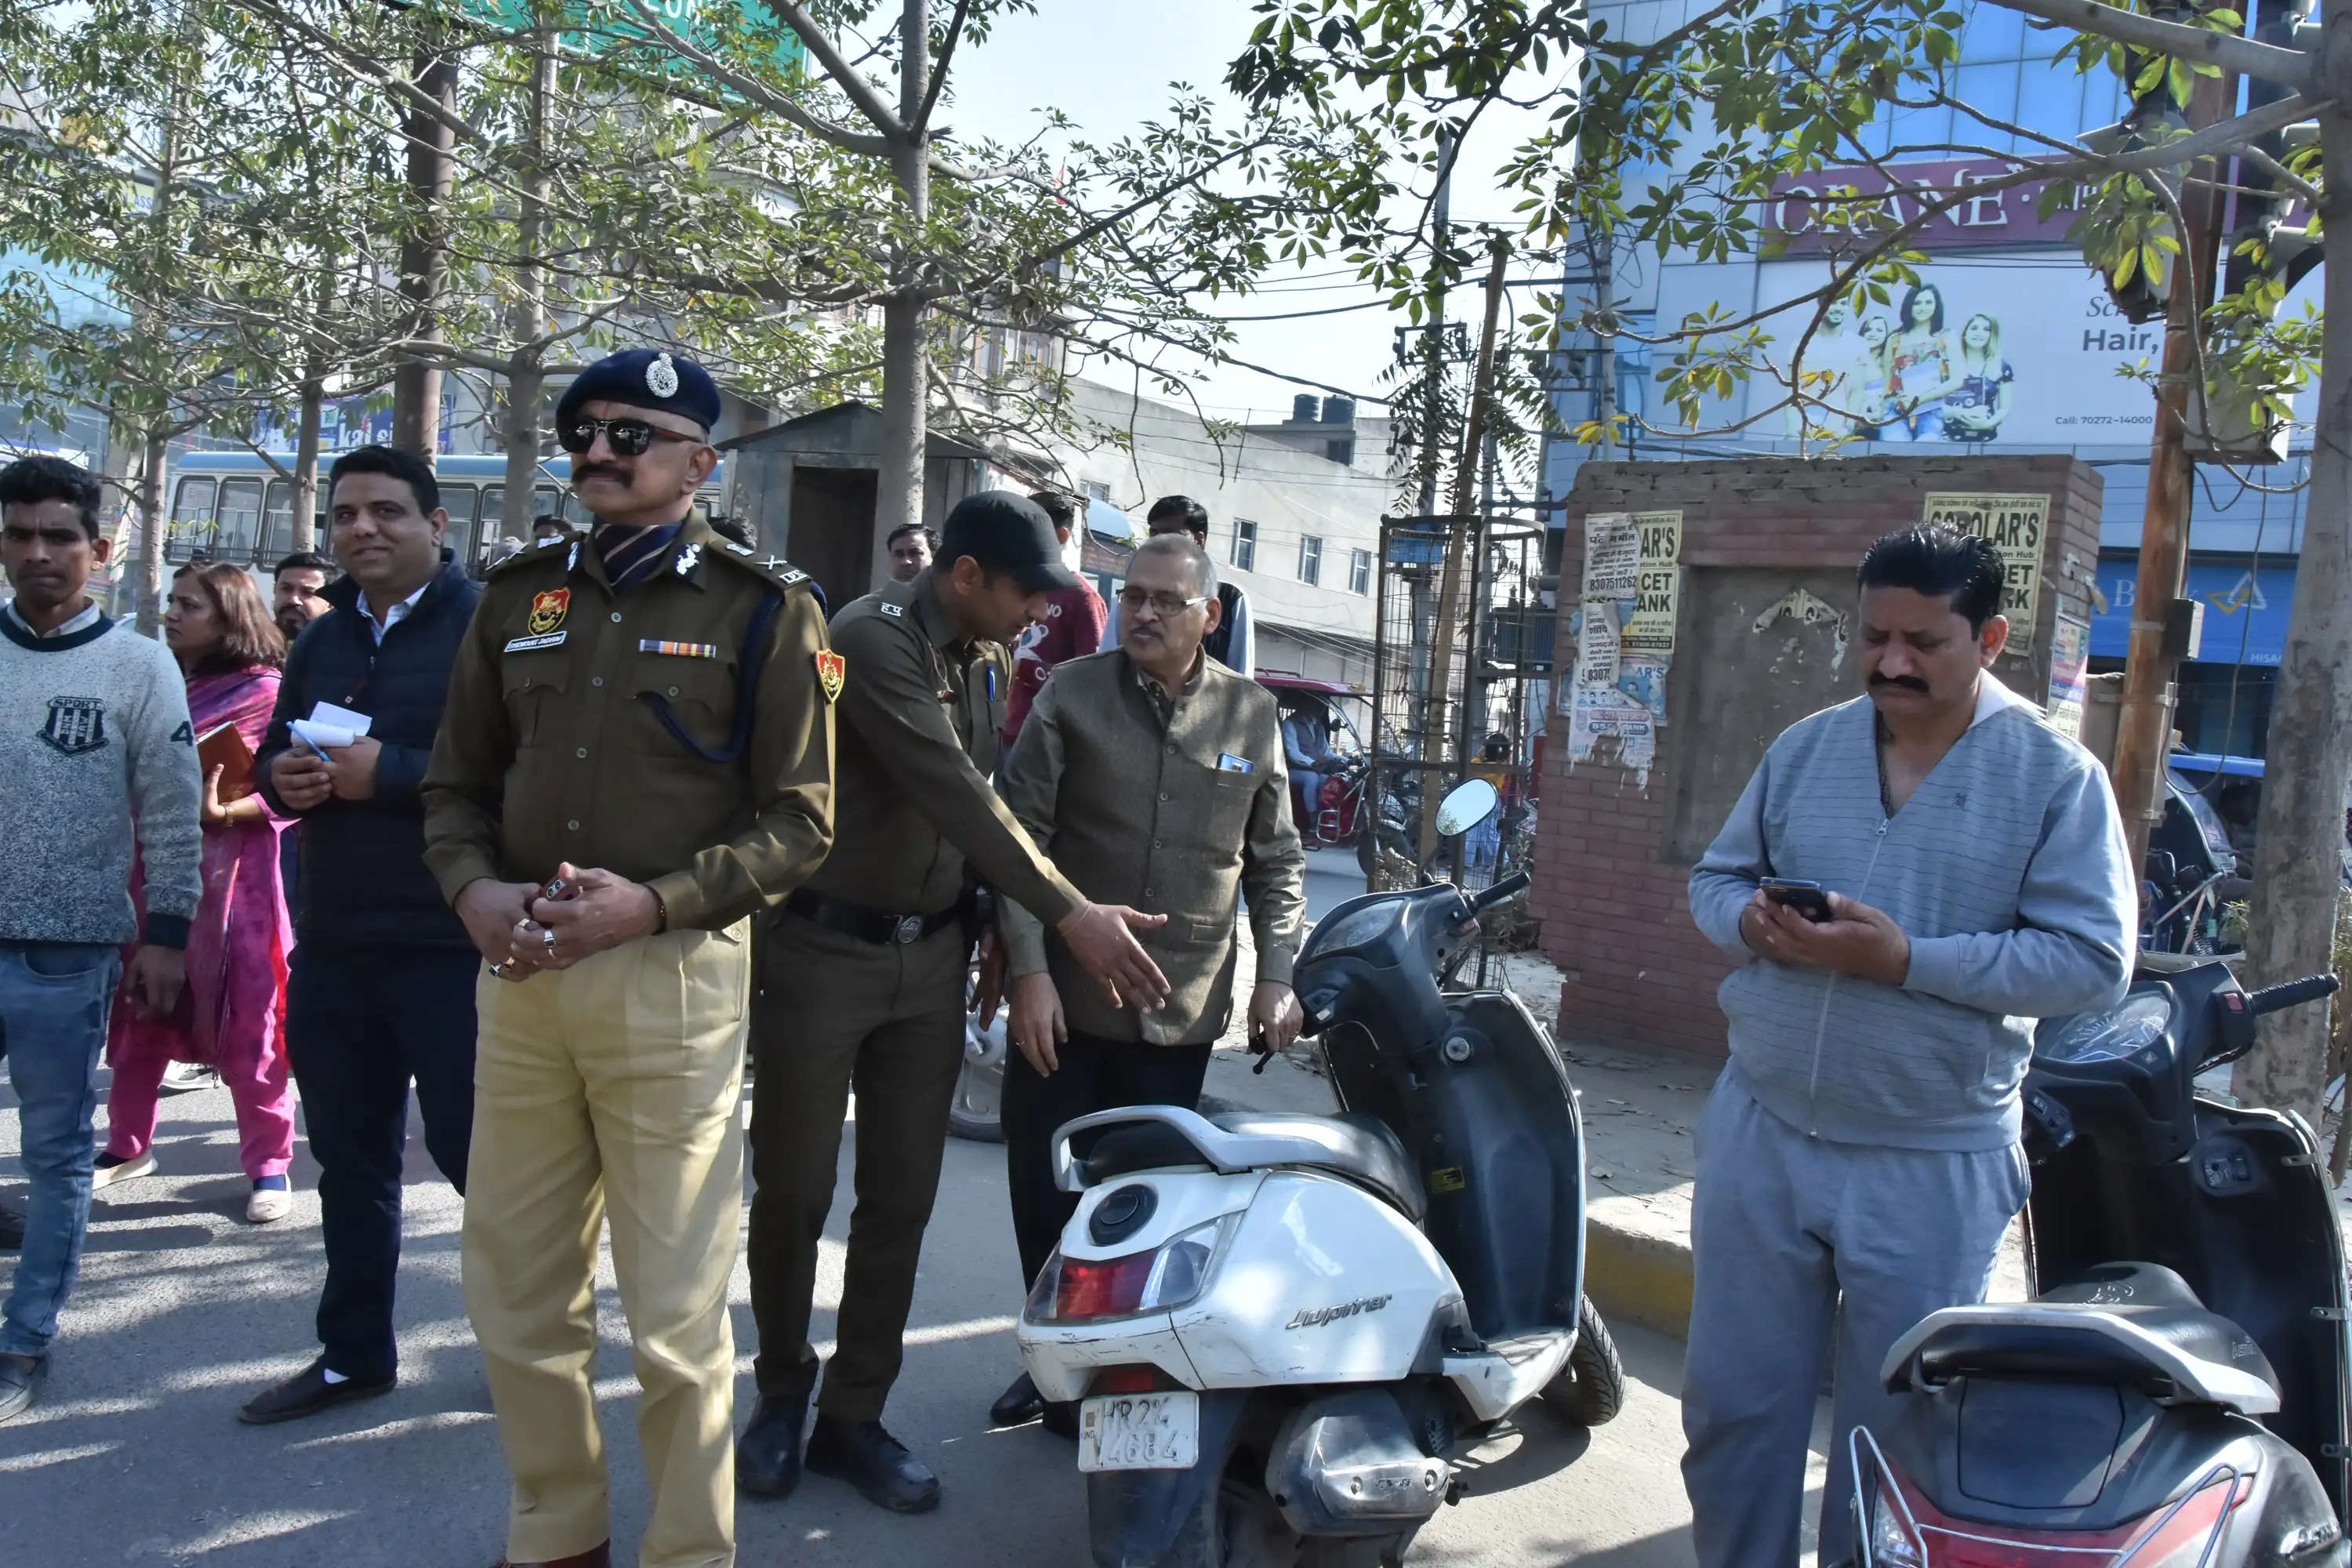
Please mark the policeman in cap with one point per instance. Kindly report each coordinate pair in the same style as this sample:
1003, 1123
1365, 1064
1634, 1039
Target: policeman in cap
638, 757
862, 979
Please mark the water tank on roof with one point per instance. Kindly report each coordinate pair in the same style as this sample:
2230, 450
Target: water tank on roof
1302, 408
1339, 411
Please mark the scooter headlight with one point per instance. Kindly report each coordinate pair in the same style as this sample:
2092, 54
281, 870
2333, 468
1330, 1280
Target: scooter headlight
1073, 1289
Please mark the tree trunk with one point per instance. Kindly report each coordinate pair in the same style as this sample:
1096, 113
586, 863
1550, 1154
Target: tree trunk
424, 256
306, 457
151, 530
527, 322
2300, 844
898, 485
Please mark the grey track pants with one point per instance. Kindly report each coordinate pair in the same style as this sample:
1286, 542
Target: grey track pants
1782, 1223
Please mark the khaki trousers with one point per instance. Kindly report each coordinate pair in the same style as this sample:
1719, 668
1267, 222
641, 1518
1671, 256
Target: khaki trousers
609, 1091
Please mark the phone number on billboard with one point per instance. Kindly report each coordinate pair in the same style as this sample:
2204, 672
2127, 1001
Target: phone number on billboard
2105, 419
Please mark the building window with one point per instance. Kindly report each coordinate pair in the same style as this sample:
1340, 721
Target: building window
1359, 571
1310, 559
1097, 491
1245, 544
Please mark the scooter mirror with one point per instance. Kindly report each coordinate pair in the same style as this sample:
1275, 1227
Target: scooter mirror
1465, 806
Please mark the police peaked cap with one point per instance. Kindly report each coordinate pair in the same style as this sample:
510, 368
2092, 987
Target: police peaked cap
655, 379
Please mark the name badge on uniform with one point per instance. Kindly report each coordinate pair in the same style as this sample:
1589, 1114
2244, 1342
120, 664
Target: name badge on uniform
525, 645
1229, 763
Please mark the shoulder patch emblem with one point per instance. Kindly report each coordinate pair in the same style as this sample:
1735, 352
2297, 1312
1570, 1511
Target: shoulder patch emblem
896, 612
832, 673
548, 610
77, 724
687, 560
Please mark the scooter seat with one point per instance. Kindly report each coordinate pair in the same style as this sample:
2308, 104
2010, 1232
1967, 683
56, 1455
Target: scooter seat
1095, 1149
2133, 1323
1359, 1147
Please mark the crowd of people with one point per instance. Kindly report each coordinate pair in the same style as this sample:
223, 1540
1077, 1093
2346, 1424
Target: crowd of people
550, 847
559, 850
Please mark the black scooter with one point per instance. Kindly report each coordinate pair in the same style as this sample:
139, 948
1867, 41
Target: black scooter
2175, 1396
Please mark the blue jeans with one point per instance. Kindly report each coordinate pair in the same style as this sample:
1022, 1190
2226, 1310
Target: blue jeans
54, 998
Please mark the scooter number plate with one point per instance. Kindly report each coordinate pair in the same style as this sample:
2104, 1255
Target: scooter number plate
1139, 1432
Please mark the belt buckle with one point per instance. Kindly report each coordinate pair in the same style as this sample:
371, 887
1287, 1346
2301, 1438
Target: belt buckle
909, 929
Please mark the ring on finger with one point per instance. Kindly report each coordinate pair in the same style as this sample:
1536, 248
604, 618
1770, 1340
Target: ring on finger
546, 939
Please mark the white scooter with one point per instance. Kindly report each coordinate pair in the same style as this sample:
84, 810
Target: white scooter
1282, 1329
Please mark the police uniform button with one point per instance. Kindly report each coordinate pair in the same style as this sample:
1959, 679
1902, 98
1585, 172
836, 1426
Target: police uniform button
573, 824
583, 753
673, 691
617, 617
595, 681
1163, 794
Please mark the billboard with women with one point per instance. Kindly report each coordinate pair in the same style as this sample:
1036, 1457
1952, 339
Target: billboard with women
2019, 351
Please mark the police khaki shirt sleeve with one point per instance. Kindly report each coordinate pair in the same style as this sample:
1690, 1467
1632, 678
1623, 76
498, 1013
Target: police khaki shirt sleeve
893, 702
465, 779
1031, 782
791, 764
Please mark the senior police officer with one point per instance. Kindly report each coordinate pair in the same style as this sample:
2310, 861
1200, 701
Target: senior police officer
637, 756
862, 983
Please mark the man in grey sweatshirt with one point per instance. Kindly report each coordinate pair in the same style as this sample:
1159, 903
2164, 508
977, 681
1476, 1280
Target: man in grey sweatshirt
93, 730
1865, 1138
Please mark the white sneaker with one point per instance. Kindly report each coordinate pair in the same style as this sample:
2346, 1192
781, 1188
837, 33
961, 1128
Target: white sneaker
181, 1078
269, 1205
107, 1170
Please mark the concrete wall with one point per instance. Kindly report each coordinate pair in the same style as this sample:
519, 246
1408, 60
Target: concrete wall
1140, 449
1613, 856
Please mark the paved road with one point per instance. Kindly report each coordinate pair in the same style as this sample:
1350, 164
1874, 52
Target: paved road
1332, 878
184, 1310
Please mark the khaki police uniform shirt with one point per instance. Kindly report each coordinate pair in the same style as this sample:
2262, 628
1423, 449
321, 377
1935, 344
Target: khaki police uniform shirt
1177, 805
920, 720
550, 750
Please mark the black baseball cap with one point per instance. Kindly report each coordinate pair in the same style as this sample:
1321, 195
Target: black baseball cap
1010, 535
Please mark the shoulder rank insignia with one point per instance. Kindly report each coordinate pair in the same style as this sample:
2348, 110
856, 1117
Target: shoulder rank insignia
572, 561
550, 543
735, 549
832, 672
896, 612
789, 578
548, 610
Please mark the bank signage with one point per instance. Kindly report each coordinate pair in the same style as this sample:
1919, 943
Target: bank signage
1839, 210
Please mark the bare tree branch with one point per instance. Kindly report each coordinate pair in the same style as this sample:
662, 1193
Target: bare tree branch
2289, 67
844, 76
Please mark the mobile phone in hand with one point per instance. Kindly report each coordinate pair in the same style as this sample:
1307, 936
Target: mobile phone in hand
1810, 899
558, 889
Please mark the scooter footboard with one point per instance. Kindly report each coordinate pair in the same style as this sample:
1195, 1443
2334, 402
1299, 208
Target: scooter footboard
1135, 1517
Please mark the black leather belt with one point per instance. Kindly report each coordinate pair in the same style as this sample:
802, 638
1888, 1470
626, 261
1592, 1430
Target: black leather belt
877, 926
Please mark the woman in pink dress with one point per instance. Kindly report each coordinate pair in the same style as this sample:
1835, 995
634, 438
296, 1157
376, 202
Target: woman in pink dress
232, 1016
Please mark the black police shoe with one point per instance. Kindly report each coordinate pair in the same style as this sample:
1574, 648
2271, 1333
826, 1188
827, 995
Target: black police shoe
1062, 1419
875, 1463
12, 1229
307, 1393
1017, 1405
768, 1455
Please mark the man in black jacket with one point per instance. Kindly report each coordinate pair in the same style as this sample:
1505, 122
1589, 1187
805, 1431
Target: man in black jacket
381, 989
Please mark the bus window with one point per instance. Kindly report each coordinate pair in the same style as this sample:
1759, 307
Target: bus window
494, 507
191, 527
573, 511
239, 523
458, 501
277, 523
542, 501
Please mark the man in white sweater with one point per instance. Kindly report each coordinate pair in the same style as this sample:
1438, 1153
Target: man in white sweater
94, 737
1859, 1158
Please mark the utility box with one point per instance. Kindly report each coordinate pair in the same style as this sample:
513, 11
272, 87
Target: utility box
1742, 621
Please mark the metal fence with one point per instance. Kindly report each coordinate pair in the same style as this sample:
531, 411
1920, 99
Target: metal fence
1462, 643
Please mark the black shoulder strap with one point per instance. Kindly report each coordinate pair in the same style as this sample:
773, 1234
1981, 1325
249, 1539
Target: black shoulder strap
747, 689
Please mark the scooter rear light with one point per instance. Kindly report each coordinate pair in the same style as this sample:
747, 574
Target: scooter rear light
1132, 1380
2183, 1535
1071, 1289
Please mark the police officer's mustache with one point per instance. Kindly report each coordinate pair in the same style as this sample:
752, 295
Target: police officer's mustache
1907, 682
590, 470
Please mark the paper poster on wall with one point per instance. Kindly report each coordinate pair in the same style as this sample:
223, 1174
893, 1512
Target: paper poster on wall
2016, 526
1624, 631
2070, 653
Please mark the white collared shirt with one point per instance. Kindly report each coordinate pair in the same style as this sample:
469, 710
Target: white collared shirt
1992, 697
392, 617
86, 616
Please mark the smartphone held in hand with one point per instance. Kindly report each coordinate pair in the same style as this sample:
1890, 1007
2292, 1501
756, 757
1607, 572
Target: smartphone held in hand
1810, 899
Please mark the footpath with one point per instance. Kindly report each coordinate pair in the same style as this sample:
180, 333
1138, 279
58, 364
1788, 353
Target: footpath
1641, 1115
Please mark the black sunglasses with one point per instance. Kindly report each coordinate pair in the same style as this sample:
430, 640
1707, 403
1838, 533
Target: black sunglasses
630, 437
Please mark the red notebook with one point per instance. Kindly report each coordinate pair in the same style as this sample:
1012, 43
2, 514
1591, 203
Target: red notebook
224, 749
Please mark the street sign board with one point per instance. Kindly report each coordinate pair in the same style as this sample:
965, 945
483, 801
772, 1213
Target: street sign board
595, 26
